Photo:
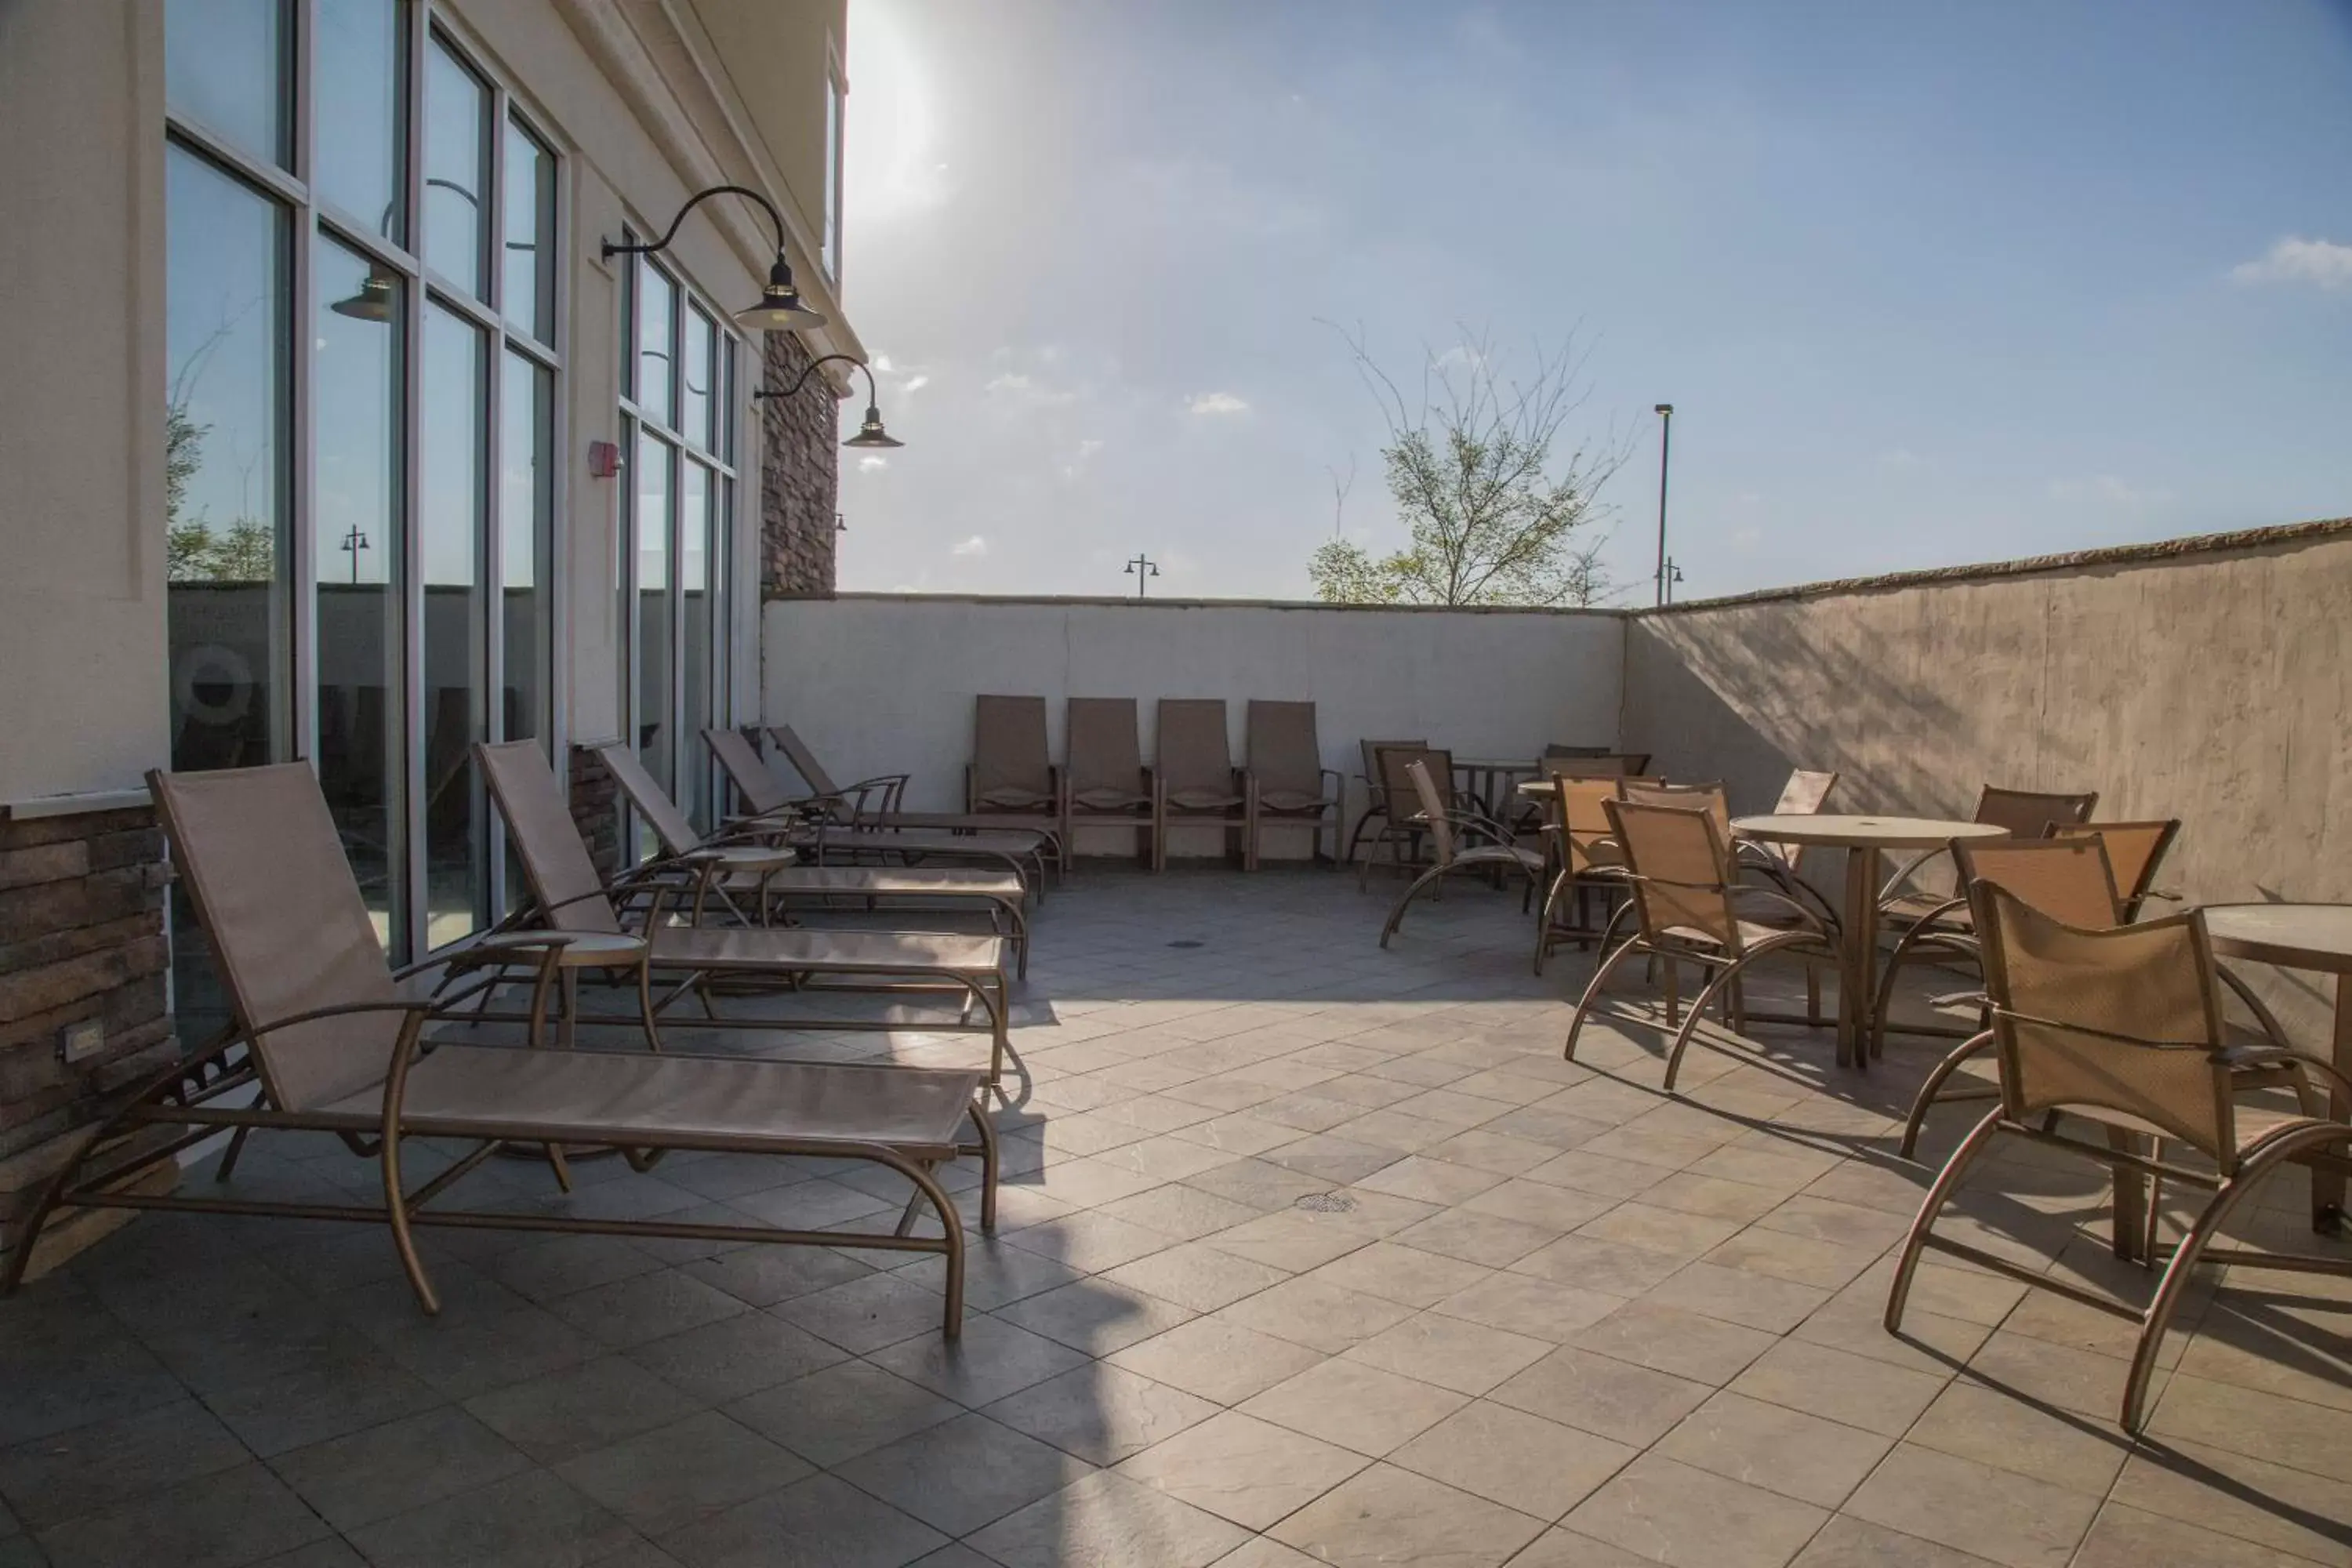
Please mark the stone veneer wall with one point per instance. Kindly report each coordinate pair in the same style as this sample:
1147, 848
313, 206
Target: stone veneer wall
798, 479
81, 937
596, 809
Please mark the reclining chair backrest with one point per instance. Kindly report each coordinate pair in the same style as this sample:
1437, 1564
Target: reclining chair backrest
761, 791
539, 825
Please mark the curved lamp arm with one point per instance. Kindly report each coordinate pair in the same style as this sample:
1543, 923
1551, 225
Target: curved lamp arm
810, 370
615, 248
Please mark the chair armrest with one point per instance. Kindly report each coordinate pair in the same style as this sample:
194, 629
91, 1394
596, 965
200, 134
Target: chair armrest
2279, 1056
1904, 872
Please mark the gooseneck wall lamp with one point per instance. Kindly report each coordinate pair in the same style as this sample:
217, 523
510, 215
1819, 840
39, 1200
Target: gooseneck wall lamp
780, 307
870, 432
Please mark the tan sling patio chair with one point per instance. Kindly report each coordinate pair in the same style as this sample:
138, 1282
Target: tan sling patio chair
324, 1039
879, 803
1804, 794
1377, 798
1106, 783
1689, 908
768, 877
569, 895
1011, 766
1286, 783
770, 807
1192, 762
1583, 858
1447, 825
2108, 1039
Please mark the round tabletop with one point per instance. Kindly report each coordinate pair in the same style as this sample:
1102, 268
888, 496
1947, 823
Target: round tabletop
2298, 936
1862, 832
573, 949
1491, 765
746, 857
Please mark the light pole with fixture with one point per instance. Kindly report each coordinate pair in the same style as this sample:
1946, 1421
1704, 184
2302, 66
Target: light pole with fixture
780, 307
354, 543
1674, 575
1142, 569
870, 432
1665, 413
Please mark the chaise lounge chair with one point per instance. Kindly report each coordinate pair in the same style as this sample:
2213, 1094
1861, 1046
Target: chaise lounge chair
323, 1039
1106, 785
877, 803
1193, 765
1286, 785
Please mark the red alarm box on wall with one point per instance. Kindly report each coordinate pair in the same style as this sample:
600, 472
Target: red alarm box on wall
603, 459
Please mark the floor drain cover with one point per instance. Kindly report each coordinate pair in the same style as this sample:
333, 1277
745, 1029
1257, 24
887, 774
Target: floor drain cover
1327, 1203
1187, 943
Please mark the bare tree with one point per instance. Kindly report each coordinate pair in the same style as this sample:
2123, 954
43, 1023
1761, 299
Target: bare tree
1491, 518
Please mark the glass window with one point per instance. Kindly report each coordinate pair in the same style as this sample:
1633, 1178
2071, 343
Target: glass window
359, 163
654, 729
452, 508
356, 538
694, 378
835, 113
227, 66
529, 295
456, 162
695, 495
657, 299
527, 545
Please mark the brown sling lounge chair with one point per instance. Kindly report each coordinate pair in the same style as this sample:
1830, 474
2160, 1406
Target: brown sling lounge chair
770, 807
1011, 766
323, 1039
1402, 830
1443, 824
1194, 766
768, 877
1376, 800
1106, 785
879, 802
1286, 785
569, 895
2108, 1039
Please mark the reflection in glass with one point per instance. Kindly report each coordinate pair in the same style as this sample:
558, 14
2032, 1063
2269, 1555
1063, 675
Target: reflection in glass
695, 495
452, 508
456, 162
527, 545
226, 325
655, 731
656, 297
357, 544
225, 65
359, 106
694, 379
530, 249
833, 114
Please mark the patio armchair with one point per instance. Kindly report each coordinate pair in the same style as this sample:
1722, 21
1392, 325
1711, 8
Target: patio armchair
1804, 794
1012, 767
1689, 908
569, 895
1448, 825
1192, 763
1583, 861
1376, 795
1575, 762
768, 876
2109, 1038
323, 1039
1286, 783
1402, 830
1105, 783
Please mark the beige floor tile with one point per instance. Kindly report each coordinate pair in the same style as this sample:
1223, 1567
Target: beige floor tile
1466, 1357
1848, 1224
1165, 1158
1196, 1275
1666, 1338
1678, 1234
1600, 1175
1957, 1502
1357, 1406
1596, 1393
1238, 1467
1486, 1239
1396, 1130
1236, 1133
1843, 1387
1431, 1181
1266, 1551
1090, 1242
1387, 1516
1316, 1312
991, 1358
1772, 1446
1293, 1240
2124, 1537
1566, 1549
1509, 1456
2289, 1510
1784, 1165
1857, 1323
1738, 1296
1482, 1149
1590, 1263
2260, 1426
1105, 1519
1846, 1541
1102, 1414
1693, 1193
1217, 1359
1693, 1519
1531, 1202
1828, 1264
962, 1474
1402, 1273
1096, 1317
2280, 1346
1525, 1304
1994, 1427
1185, 1212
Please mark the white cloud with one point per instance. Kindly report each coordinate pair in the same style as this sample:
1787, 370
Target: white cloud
975, 545
2320, 262
872, 465
1898, 457
1216, 402
916, 384
2109, 489
1014, 386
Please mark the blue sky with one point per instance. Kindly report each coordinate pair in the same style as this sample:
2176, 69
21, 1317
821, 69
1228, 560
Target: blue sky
1926, 284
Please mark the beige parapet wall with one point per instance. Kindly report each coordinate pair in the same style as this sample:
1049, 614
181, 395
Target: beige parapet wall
884, 683
2206, 679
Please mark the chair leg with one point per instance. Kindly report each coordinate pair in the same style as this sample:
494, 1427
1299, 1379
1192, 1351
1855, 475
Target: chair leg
1593, 993
1904, 950
1938, 1195
1435, 875
395, 1209
1934, 1086
1813, 994
645, 1002
2177, 1273
1725, 980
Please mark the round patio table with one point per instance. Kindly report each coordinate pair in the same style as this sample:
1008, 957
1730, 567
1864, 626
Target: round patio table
1488, 771
2316, 937
1864, 840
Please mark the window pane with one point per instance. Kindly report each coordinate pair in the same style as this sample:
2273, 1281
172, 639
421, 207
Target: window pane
356, 537
695, 495
226, 63
656, 296
450, 516
694, 379
361, 103
832, 129
529, 276
457, 146
527, 524
653, 639
225, 499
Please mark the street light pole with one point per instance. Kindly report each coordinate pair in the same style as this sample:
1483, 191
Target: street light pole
1142, 569
1665, 412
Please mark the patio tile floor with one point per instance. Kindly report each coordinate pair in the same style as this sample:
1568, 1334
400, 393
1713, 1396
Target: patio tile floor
1309, 1253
